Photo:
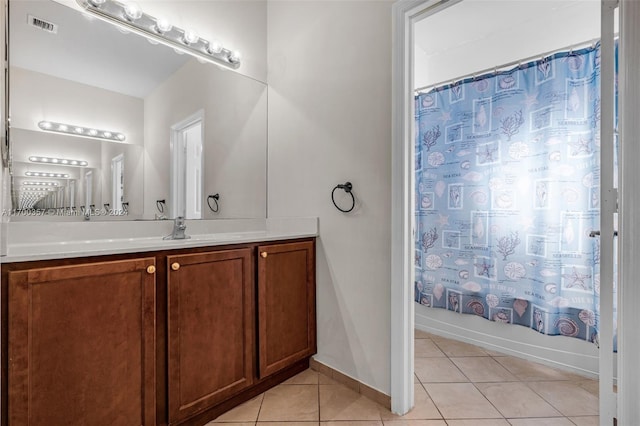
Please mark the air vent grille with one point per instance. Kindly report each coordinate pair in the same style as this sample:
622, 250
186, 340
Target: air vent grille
49, 27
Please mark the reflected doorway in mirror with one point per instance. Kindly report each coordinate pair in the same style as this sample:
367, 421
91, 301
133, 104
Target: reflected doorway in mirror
187, 138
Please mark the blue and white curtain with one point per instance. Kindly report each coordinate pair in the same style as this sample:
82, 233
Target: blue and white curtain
507, 173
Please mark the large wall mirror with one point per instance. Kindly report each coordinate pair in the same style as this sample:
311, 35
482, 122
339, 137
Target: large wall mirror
106, 124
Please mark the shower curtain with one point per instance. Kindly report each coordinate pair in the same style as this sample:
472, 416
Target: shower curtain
507, 191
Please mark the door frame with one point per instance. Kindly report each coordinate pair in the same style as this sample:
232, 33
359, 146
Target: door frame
175, 166
405, 13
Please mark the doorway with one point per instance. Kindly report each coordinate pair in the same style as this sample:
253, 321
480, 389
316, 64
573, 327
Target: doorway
117, 184
88, 191
406, 14
187, 138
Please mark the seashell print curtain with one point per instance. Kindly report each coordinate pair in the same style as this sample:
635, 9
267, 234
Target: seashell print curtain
507, 173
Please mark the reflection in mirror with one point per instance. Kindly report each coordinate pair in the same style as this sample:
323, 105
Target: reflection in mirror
81, 90
186, 167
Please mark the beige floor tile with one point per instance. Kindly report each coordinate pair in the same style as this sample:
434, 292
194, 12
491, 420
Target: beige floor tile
287, 424
290, 403
247, 412
478, 422
338, 402
307, 377
593, 386
423, 409
232, 424
493, 353
414, 423
438, 370
323, 379
419, 334
426, 348
460, 401
516, 400
550, 421
351, 423
455, 348
483, 369
586, 420
567, 397
529, 371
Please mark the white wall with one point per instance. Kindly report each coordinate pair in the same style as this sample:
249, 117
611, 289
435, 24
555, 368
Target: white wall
472, 36
36, 97
235, 141
476, 35
329, 122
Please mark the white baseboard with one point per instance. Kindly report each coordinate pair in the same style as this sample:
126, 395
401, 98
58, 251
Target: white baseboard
561, 352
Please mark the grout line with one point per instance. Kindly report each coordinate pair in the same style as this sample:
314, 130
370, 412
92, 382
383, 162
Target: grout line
319, 413
260, 408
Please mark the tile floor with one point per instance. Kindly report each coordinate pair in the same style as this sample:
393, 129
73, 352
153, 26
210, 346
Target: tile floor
456, 384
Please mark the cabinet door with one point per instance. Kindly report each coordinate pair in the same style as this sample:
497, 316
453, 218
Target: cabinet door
211, 329
286, 304
81, 344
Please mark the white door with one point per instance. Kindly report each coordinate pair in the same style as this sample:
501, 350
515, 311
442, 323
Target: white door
72, 193
88, 190
186, 167
117, 183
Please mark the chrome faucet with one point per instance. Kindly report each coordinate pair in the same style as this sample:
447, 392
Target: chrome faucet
179, 226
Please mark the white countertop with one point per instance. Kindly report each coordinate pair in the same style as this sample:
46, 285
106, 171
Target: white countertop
29, 241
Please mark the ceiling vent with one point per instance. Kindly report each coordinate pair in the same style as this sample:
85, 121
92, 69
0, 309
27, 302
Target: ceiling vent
49, 27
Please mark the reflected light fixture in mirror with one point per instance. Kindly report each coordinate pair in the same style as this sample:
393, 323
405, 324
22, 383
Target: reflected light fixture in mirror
87, 132
58, 161
129, 16
46, 174
40, 183
39, 189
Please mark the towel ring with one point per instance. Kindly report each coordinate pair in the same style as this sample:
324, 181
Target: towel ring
215, 198
160, 205
348, 187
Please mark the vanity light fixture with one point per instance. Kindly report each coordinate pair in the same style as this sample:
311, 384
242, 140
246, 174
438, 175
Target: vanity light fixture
129, 16
47, 174
40, 183
87, 132
58, 161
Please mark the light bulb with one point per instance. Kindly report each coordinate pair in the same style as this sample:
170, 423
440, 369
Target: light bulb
235, 56
74, 163
214, 47
45, 125
65, 161
33, 158
97, 3
79, 129
132, 11
190, 37
93, 132
162, 25
54, 160
83, 163
106, 134
63, 127
120, 136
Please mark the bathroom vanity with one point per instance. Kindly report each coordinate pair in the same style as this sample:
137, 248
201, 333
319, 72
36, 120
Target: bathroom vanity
170, 332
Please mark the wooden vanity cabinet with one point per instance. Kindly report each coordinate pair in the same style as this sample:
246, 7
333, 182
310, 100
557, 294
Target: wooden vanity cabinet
108, 340
81, 344
286, 304
211, 329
